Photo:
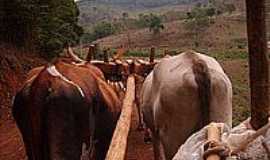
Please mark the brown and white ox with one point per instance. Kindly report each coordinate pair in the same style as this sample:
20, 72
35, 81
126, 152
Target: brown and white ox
63, 107
181, 95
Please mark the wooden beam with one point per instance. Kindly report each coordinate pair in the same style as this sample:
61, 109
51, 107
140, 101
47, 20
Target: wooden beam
258, 62
117, 149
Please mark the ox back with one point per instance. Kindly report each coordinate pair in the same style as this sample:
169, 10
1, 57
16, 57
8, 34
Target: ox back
181, 95
60, 109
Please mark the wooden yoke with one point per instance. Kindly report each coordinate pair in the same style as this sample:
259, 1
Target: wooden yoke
118, 146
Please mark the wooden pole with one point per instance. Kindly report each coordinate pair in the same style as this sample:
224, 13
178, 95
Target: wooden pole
152, 55
96, 48
258, 62
105, 56
118, 145
166, 52
91, 52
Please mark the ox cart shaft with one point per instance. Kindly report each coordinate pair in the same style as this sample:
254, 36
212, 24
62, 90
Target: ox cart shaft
117, 149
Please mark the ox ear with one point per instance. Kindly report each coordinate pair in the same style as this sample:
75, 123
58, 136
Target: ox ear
109, 96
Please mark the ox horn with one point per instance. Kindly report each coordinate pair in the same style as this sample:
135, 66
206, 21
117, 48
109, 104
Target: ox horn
73, 55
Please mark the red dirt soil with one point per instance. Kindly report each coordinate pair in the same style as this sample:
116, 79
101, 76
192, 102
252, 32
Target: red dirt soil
14, 65
137, 149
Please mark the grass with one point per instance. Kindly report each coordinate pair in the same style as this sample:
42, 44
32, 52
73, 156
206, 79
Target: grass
241, 109
229, 55
219, 55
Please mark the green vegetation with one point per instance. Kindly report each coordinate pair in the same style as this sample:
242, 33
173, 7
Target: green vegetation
229, 55
151, 21
103, 29
202, 17
106, 28
222, 7
44, 26
100, 30
198, 21
155, 25
142, 3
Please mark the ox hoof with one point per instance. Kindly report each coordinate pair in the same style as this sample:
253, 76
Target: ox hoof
147, 140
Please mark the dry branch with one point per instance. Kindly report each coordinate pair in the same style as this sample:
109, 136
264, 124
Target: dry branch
118, 145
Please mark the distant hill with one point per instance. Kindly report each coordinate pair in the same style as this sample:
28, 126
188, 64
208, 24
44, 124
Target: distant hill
93, 11
138, 4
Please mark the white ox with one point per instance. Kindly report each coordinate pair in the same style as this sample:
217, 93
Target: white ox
181, 95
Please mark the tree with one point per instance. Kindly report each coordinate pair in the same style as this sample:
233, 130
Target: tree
199, 19
103, 29
125, 17
47, 26
155, 24
18, 19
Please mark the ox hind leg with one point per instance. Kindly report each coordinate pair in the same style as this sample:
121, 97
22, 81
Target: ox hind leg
21, 117
158, 147
65, 127
141, 124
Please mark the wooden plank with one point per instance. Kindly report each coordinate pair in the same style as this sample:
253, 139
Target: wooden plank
258, 62
117, 149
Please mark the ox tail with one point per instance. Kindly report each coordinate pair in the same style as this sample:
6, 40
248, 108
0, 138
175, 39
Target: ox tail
202, 78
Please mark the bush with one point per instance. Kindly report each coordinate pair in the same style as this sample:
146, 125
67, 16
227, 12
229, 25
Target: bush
100, 30
198, 21
153, 22
103, 29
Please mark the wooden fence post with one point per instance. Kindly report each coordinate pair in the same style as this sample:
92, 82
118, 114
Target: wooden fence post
105, 56
96, 49
258, 62
152, 55
166, 52
118, 146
